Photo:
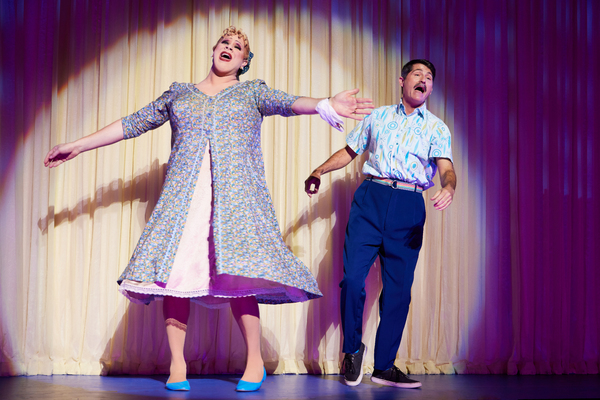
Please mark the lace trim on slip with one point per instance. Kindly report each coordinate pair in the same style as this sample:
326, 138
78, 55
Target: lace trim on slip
282, 295
201, 292
176, 324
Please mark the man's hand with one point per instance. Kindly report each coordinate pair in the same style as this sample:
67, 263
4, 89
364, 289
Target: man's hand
338, 160
442, 198
346, 105
313, 179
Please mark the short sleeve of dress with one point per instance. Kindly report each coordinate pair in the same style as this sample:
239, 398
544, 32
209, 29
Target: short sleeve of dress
272, 101
150, 117
358, 139
441, 142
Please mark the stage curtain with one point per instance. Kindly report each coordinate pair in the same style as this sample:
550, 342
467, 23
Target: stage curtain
507, 281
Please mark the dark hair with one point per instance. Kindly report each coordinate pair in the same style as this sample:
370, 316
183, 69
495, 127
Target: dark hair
408, 67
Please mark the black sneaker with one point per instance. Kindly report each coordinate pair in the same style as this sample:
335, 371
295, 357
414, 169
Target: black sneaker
353, 367
394, 377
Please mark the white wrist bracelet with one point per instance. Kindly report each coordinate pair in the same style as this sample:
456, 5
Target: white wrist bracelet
329, 115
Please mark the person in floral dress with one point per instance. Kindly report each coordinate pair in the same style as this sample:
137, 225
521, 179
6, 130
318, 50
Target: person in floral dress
213, 236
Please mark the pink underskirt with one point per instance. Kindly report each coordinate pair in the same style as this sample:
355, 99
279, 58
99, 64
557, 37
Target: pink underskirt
193, 274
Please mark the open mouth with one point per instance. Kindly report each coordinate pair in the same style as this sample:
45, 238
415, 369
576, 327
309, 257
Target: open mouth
421, 88
225, 56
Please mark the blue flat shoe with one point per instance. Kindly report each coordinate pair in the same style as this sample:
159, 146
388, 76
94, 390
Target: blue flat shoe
183, 385
244, 386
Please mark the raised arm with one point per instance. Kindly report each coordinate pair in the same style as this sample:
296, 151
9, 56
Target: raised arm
63, 152
443, 197
344, 103
338, 160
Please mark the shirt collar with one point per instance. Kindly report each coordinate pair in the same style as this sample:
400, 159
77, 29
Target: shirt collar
421, 110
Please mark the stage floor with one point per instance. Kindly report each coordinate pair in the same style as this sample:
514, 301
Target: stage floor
302, 387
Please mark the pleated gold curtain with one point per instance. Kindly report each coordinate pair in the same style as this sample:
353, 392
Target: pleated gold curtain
497, 290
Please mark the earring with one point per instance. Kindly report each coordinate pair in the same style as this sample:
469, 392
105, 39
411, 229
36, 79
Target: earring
245, 68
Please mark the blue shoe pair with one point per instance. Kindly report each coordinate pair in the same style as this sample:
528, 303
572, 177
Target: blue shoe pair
183, 385
244, 386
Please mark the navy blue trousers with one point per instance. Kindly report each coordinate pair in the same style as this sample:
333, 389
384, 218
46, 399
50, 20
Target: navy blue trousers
388, 223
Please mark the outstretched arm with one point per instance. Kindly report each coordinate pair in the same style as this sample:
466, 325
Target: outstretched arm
338, 160
64, 152
443, 197
344, 103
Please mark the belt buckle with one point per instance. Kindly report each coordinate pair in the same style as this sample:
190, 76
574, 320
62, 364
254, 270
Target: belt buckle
394, 184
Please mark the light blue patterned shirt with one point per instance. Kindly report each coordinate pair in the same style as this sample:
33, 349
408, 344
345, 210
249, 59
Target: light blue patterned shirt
402, 147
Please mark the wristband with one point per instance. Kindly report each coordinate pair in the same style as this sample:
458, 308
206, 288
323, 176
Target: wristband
329, 115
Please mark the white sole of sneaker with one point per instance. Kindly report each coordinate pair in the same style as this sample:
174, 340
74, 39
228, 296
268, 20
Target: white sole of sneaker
356, 382
396, 384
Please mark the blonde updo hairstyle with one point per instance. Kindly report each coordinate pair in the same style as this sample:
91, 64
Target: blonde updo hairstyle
233, 31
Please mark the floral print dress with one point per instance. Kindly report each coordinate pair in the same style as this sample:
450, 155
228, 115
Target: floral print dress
213, 234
